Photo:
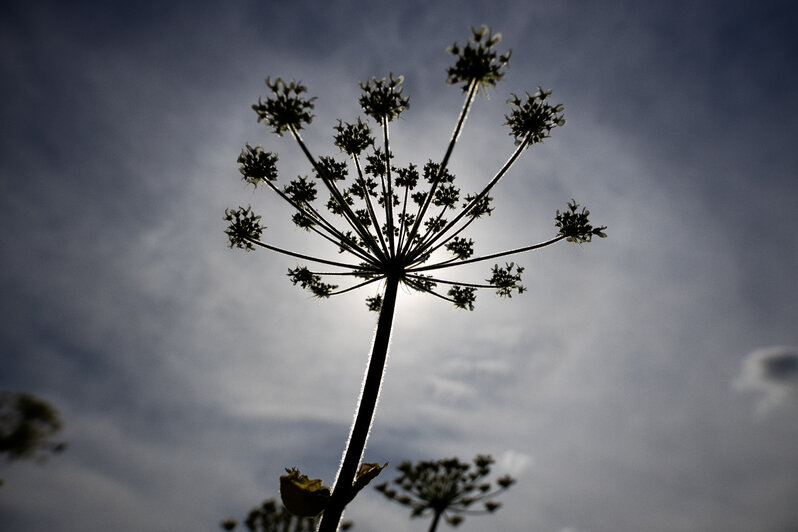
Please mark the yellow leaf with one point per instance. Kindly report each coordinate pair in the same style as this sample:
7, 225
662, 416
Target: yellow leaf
302, 496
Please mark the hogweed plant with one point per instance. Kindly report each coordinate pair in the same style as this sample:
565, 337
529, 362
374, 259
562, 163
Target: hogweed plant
394, 225
446, 488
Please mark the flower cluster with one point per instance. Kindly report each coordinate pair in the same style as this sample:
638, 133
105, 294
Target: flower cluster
396, 220
505, 280
257, 166
244, 229
382, 98
575, 226
353, 139
306, 279
477, 62
286, 109
532, 119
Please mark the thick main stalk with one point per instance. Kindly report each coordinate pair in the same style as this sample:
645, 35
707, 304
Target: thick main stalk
342, 491
434, 525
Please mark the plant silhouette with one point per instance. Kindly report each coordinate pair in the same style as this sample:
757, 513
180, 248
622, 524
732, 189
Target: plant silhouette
446, 488
396, 225
271, 516
26, 425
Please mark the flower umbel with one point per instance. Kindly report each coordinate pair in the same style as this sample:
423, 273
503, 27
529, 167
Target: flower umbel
382, 98
532, 119
244, 229
353, 138
477, 61
256, 165
392, 224
575, 226
286, 109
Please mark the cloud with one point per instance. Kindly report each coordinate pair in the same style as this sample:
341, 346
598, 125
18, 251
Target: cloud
773, 373
514, 462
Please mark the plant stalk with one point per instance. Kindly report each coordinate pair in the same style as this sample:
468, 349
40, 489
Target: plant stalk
343, 490
434, 525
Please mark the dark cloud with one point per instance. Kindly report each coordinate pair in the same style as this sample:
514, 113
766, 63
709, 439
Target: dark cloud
773, 373
782, 366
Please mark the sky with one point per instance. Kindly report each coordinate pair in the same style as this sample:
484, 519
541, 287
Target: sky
646, 381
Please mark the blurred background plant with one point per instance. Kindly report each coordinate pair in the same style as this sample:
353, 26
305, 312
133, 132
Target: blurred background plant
272, 516
448, 489
27, 424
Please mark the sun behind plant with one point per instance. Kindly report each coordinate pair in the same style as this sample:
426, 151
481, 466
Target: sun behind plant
395, 225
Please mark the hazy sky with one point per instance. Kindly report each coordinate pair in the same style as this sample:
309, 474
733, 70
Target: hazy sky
647, 381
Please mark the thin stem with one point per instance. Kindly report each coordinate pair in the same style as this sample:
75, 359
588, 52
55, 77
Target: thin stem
343, 490
402, 220
430, 232
305, 257
417, 286
452, 283
343, 242
347, 244
472, 91
348, 214
355, 287
449, 264
308, 210
375, 222
361, 273
421, 250
446, 241
434, 525
389, 196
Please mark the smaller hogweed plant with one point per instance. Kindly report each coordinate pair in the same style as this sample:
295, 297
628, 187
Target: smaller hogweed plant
27, 423
395, 225
446, 488
272, 516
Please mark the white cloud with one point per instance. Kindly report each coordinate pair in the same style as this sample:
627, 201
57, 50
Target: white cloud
450, 391
514, 462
